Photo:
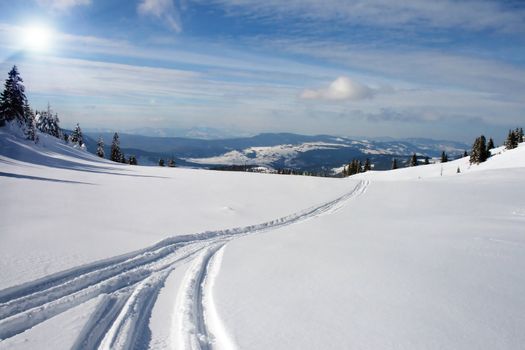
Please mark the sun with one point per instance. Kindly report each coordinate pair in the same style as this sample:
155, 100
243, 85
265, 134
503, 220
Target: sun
37, 38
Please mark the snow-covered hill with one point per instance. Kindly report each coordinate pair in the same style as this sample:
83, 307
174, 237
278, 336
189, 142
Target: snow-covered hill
282, 150
102, 255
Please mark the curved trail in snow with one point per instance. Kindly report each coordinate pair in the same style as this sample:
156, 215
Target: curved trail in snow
128, 286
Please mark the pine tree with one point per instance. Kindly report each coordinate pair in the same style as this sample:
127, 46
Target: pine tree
490, 145
520, 135
512, 140
171, 163
54, 127
13, 98
132, 160
100, 147
465, 154
458, 171
444, 157
351, 168
31, 130
413, 160
116, 154
394, 164
161, 162
479, 151
28, 113
76, 137
427, 161
367, 166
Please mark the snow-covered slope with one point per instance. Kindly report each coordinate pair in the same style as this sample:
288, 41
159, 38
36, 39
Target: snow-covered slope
101, 255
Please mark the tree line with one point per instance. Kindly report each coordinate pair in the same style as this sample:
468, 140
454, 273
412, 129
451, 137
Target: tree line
480, 152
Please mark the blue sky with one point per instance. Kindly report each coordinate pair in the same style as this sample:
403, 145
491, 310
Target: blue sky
441, 69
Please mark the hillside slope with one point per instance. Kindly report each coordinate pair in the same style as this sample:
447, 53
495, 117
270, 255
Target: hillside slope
103, 255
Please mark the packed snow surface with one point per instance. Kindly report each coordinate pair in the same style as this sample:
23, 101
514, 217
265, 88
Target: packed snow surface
101, 255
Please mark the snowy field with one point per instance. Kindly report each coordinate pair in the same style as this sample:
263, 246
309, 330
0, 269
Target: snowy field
100, 255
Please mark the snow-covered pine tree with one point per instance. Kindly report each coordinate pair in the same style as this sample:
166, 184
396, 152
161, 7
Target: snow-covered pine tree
100, 147
51, 123
171, 163
76, 137
116, 154
132, 160
30, 129
13, 98
520, 135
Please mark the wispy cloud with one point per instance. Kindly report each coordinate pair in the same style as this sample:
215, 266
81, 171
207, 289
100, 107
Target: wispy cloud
258, 90
62, 5
163, 10
343, 88
416, 66
472, 14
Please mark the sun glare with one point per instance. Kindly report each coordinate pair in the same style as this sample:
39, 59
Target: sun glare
36, 38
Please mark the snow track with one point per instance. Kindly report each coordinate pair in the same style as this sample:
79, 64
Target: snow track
128, 287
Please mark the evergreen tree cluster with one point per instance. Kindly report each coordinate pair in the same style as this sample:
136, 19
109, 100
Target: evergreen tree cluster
48, 123
480, 152
14, 106
514, 138
356, 167
286, 171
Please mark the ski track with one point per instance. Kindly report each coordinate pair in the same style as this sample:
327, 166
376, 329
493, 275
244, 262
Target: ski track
128, 286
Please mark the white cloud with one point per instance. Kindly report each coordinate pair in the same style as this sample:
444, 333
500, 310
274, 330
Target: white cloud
62, 5
343, 88
164, 10
416, 67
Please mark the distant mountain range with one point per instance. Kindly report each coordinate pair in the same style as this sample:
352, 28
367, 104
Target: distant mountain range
275, 150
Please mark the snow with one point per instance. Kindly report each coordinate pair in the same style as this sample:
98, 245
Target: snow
96, 254
265, 155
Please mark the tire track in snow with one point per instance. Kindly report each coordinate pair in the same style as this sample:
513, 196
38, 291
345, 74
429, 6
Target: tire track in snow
129, 285
192, 332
